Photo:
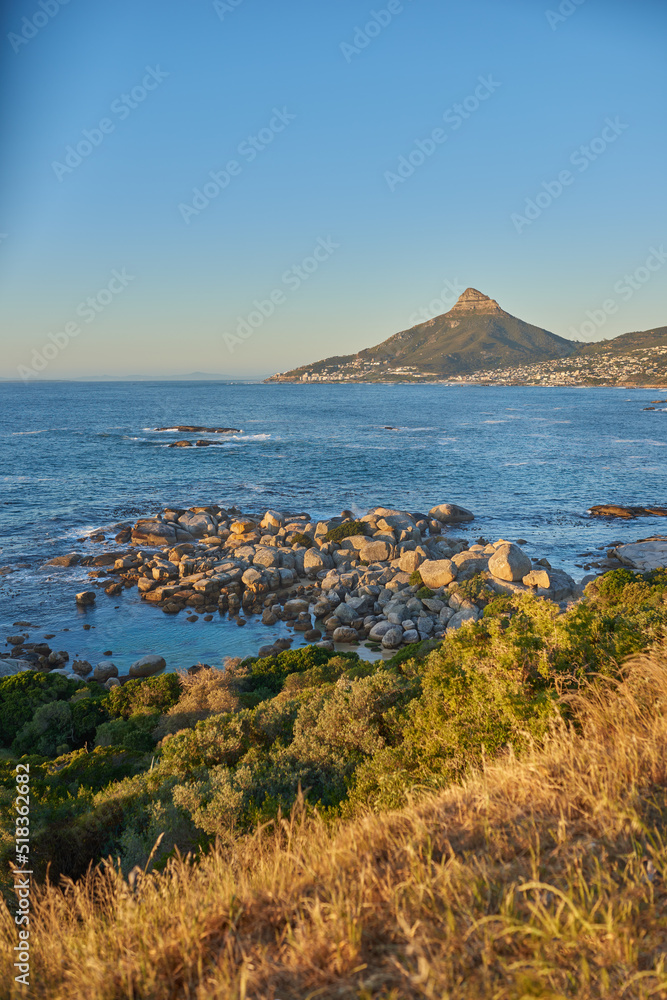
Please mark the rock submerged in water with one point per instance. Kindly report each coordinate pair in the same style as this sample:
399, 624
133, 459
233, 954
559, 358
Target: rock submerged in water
451, 513
616, 510
196, 429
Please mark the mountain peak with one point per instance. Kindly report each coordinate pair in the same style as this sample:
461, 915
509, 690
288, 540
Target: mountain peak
474, 301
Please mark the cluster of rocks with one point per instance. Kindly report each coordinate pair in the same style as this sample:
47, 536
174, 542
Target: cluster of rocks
339, 580
27, 655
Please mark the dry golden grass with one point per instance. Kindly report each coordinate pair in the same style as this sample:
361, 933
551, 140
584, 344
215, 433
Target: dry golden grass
541, 877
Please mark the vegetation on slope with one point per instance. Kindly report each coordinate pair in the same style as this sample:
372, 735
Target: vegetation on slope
532, 879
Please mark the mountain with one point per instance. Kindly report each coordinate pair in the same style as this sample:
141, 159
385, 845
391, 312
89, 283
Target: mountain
475, 334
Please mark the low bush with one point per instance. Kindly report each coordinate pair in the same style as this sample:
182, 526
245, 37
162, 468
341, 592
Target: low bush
153, 694
241, 746
346, 530
299, 538
22, 694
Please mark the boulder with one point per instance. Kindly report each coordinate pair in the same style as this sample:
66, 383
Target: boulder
252, 577
111, 682
242, 526
265, 556
10, 666
295, 607
198, 524
355, 542
73, 559
468, 564
154, 533
86, 598
272, 522
392, 638
509, 562
411, 635
103, 671
615, 510
148, 666
287, 576
345, 634
537, 578
375, 551
81, 667
330, 581
346, 614
315, 562
410, 561
437, 573
643, 556
378, 630
461, 617
450, 513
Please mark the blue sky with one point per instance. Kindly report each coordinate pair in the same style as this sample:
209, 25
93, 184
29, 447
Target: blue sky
306, 111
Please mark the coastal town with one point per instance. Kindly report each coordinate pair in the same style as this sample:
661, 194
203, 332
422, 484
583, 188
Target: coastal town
639, 367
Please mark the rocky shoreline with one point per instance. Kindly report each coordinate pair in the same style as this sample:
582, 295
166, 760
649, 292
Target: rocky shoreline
386, 579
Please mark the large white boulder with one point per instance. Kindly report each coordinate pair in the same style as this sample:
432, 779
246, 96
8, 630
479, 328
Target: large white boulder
509, 562
644, 556
437, 573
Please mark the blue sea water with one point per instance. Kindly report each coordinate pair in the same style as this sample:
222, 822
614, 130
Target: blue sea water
75, 457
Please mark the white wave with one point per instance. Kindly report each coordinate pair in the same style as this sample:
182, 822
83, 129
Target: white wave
44, 431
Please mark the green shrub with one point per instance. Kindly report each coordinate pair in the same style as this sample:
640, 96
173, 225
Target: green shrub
423, 592
48, 732
153, 694
22, 694
298, 538
239, 745
346, 530
476, 589
416, 579
135, 733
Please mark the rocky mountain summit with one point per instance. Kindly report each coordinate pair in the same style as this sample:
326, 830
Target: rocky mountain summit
475, 333
476, 336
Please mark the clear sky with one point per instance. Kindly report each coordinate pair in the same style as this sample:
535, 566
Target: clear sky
318, 118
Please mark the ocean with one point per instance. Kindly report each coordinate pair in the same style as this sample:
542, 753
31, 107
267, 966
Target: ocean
79, 456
